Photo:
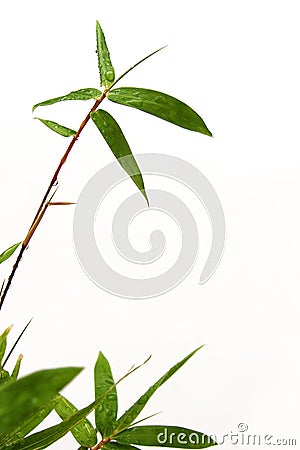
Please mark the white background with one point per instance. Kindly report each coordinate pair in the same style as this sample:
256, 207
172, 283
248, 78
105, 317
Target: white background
237, 64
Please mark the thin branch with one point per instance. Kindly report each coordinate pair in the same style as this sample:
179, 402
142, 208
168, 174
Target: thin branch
135, 65
64, 158
16, 343
101, 444
1, 290
45, 202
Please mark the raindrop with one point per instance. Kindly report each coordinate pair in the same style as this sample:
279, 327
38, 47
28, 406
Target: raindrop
110, 75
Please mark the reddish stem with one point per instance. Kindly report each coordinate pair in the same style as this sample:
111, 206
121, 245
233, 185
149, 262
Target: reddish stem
43, 206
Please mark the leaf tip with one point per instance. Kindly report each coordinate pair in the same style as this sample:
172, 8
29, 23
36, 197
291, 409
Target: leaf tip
204, 130
147, 360
8, 329
143, 191
200, 347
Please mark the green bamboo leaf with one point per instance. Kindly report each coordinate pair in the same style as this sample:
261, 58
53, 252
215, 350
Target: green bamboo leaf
106, 412
117, 446
118, 144
7, 253
84, 433
3, 343
160, 105
130, 415
16, 369
60, 129
106, 70
165, 436
27, 425
81, 94
26, 395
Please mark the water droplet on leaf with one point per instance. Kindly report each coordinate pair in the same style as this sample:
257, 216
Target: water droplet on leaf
110, 75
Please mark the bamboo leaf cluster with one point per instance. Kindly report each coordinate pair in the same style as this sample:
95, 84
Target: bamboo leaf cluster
25, 403
152, 102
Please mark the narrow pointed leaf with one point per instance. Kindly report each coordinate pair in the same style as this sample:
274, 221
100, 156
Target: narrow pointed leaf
165, 436
81, 94
106, 412
16, 369
26, 395
117, 446
106, 70
60, 129
118, 144
130, 415
30, 423
84, 433
160, 105
3, 343
7, 253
